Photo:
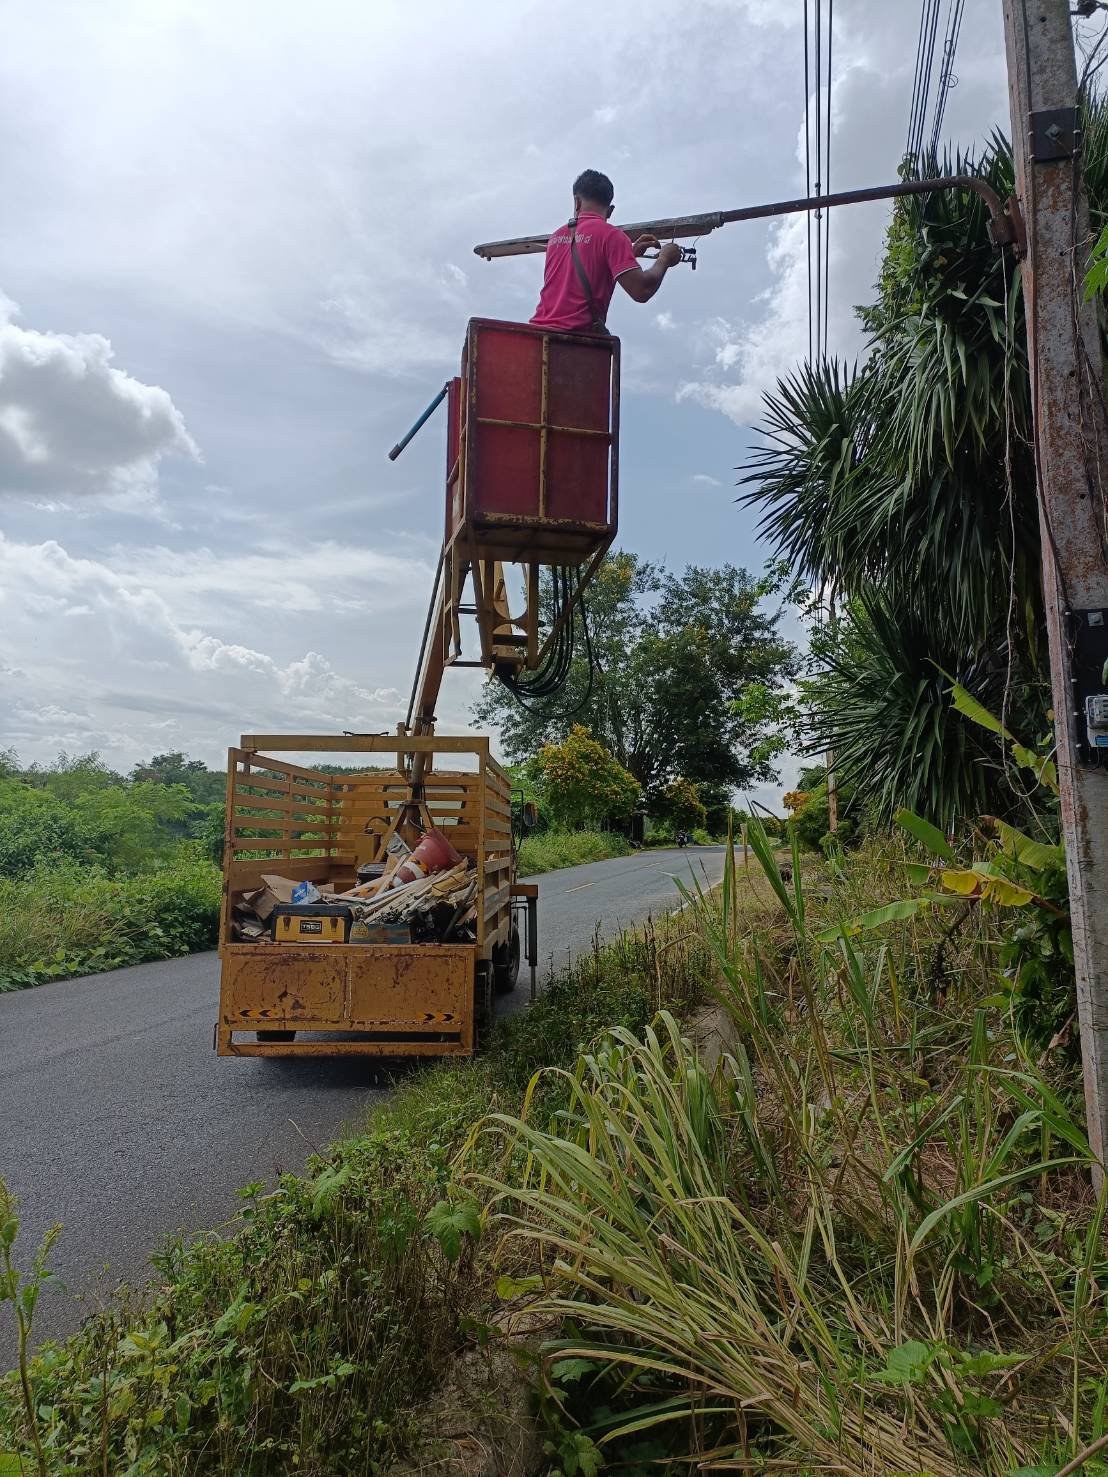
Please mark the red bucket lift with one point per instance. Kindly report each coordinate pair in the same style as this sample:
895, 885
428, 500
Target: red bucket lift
532, 474
533, 445
532, 478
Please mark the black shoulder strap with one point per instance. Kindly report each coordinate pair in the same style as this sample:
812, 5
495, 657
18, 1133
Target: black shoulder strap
598, 324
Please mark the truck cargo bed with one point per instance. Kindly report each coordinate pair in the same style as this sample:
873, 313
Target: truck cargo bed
366, 998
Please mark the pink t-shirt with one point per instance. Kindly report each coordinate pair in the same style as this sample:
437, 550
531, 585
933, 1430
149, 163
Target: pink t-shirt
605, 254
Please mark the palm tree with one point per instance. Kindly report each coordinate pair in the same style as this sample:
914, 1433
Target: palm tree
906, 487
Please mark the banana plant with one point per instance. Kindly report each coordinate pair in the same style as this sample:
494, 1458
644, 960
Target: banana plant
1022, 876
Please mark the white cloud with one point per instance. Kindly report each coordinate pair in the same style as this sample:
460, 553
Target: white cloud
317, 576
72, 422
665, 321
706, 479
119, 667
605, 115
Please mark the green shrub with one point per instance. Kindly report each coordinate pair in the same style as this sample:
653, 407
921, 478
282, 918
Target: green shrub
682, 806
64, 920
551, 850
582, 784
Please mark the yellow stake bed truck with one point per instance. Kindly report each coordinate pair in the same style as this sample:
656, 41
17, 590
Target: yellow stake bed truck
531, 485
368, 997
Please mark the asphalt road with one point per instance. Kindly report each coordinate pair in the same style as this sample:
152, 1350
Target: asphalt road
118, 1119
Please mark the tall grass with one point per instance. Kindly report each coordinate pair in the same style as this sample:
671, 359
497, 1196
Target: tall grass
61, 920
865, 1244
553, 850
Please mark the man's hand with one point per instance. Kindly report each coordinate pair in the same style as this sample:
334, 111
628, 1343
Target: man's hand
642, 285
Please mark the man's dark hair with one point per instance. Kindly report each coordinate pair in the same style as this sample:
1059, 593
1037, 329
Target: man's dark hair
590, 184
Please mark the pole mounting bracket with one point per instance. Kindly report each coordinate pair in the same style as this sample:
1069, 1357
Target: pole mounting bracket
1054, 133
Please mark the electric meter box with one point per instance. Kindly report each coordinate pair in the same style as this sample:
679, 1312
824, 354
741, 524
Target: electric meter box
1096, 720
1088, 637
533, 444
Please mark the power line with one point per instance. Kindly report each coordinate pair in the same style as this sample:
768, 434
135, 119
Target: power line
913, 104
921, 85
817, 155
827, 181
925, 94
808, 174
947, 79
819, 168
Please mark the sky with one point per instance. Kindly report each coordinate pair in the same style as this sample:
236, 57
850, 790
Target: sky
236, 261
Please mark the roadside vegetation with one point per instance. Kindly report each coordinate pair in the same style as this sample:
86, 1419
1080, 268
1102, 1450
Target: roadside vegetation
99, 871
307, 1337
551, 850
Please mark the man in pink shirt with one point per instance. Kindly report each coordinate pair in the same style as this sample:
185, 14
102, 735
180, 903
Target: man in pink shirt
586, 259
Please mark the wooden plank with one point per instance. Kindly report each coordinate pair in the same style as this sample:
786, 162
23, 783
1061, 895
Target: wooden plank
286, 807
245, 876
363, 744
278, 846
289, 784
496, 900
348, 815
499, 775
241, 841
283, 766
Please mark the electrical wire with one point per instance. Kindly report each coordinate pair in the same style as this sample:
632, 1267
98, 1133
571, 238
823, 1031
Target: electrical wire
925, 90
947, 79
536, 688
827, 182
914, 100
808, 173
819, 168
921, 87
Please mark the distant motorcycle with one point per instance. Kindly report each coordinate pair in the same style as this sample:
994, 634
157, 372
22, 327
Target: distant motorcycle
682, 838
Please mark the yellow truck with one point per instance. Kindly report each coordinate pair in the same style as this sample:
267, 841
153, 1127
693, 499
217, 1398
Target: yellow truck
372, 996
531, 482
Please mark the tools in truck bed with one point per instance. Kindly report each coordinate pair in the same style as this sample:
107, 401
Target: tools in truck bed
311, 923
429, 890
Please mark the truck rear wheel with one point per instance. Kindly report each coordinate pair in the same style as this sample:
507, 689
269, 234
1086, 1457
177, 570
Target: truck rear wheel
505, 964
276, 1036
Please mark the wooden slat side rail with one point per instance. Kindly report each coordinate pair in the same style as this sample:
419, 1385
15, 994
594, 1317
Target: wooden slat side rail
496, 900
293, 797
369, 811
275, 848
245, 876
282, 799
282, 784
254, 762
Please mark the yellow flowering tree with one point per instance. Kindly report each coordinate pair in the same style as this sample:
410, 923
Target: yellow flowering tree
582, 784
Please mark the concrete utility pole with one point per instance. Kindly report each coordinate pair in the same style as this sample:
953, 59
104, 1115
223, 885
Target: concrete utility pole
1072, 469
